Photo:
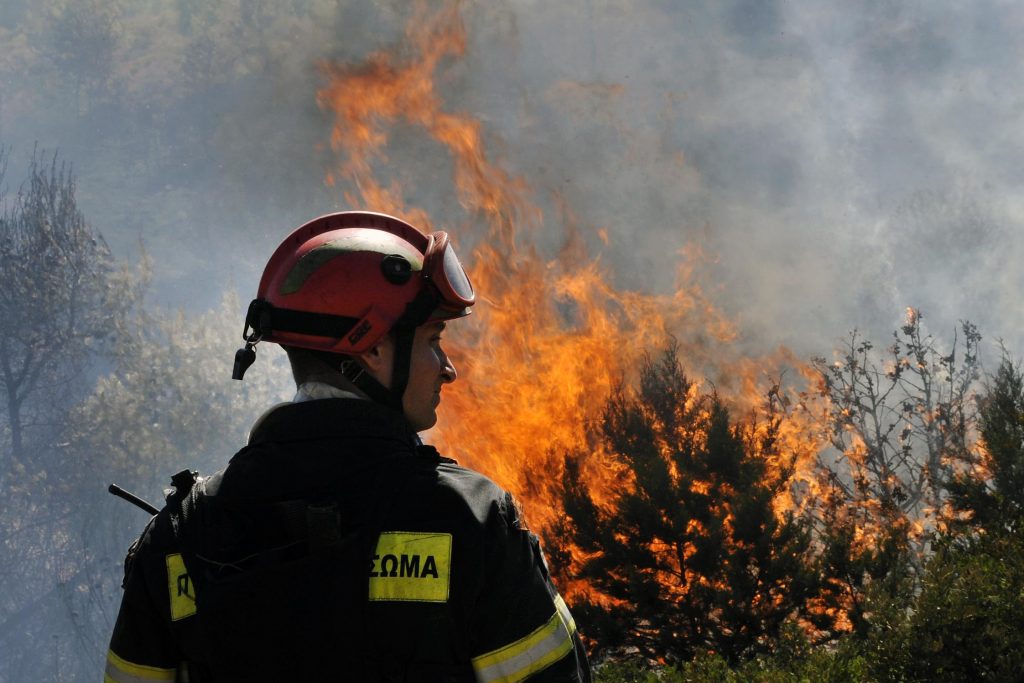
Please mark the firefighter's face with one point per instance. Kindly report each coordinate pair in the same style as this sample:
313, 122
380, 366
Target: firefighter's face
429, 370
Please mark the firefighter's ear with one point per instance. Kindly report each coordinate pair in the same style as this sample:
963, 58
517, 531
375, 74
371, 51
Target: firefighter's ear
379, 360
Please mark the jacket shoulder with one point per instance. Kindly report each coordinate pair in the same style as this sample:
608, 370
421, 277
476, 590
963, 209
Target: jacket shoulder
162, 535
479, 496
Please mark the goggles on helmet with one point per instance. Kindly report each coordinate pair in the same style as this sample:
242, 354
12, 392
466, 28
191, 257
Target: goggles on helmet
441, 267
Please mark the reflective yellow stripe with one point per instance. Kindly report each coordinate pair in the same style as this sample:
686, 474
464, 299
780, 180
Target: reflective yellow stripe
180, 590
122, 671
531, 654
563, 611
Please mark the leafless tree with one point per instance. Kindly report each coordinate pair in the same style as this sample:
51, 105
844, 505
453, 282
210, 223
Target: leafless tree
63, 297
63, 300
901, 420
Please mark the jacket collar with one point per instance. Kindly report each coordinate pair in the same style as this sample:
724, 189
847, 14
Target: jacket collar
332, 418
315, 391
347, 439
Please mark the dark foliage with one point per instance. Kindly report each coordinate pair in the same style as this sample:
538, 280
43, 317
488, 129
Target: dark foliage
997, 503
690, 553
967, 622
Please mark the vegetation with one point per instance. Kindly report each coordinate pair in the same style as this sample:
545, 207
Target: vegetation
967, 623
925, 596
904, 564
63, 302
897, 423
691, 553
819, 666
94, 388
989, 494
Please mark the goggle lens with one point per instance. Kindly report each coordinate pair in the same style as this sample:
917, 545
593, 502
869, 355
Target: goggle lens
455, 276
448, 274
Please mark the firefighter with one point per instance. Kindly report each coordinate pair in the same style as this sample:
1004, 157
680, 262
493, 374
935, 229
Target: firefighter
336, 545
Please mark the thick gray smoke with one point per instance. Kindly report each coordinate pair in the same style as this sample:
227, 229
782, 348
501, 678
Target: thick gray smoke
841, 162
837, 162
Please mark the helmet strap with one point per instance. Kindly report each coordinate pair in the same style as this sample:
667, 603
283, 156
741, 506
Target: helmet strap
404, 336
416, 313
357, 375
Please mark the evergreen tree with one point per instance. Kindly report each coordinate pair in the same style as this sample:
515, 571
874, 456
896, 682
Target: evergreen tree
996, 503
690, 556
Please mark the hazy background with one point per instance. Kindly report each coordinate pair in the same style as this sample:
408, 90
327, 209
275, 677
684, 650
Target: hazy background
837, 161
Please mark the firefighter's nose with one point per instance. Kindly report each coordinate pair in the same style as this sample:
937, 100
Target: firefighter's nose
448, 372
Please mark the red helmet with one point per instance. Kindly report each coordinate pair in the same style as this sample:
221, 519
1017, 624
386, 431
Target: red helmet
340, 282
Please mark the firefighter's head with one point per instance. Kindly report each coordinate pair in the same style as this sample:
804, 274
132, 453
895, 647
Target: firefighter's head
362, 298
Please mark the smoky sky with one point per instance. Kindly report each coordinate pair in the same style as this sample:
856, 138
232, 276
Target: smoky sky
837, 162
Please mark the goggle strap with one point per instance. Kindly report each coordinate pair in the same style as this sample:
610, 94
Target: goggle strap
263, 318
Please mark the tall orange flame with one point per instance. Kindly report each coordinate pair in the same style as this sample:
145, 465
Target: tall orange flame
551, 336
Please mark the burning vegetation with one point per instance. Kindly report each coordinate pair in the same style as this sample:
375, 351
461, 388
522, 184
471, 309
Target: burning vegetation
552, 336
690, 555
684, 516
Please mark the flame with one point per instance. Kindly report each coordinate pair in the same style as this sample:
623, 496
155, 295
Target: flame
551, 336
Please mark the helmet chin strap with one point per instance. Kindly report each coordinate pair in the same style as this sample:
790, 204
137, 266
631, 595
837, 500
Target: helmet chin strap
416, 313
358, 376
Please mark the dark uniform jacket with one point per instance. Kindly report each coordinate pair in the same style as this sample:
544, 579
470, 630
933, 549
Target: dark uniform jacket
335, 547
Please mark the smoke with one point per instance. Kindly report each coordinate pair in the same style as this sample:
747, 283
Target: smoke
835, 162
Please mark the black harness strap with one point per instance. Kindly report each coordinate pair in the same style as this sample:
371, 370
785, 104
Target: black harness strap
264, 318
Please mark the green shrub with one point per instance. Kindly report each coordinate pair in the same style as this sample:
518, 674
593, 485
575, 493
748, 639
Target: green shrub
968, 621
819, 666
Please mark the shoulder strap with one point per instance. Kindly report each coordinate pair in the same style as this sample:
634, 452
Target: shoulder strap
181, 486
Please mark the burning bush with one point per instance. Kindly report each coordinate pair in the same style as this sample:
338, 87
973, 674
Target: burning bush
690, 555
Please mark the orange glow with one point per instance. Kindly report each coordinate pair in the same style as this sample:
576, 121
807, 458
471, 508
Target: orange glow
551, 335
